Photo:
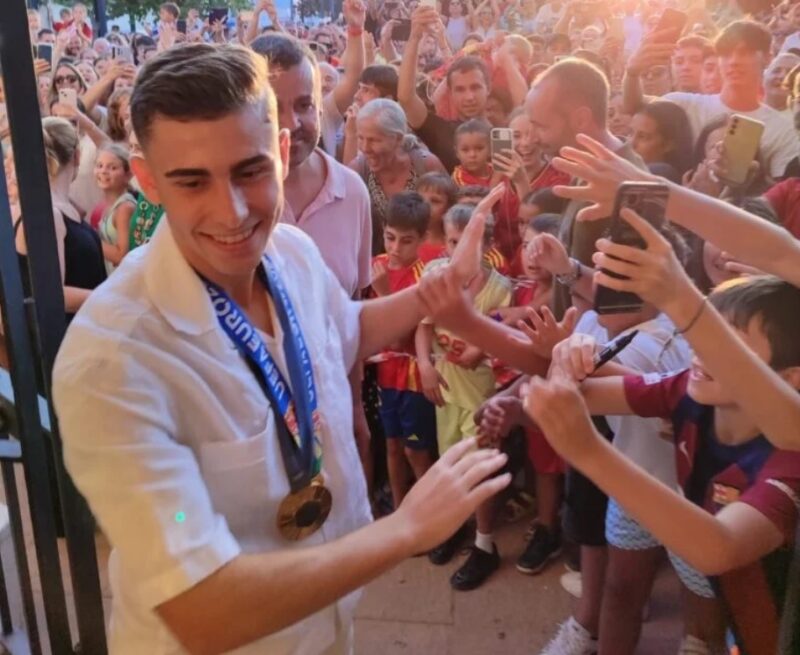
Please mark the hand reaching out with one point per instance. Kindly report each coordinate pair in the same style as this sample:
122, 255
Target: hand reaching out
549, 253
545, 332
380, 278
496, 417
573, 358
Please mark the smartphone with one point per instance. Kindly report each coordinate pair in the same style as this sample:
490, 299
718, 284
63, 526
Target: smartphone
218, 14
742, 138
182, 26
674, 21
44, 51
501, 140
402, 31
68, 97
649, 200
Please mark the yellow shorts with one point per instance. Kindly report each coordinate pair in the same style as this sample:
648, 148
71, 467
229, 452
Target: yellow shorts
453, 424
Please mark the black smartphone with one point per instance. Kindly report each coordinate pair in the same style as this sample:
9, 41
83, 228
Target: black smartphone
674, 21
182, 26
402, 31
218, 14
44, 51
649, 200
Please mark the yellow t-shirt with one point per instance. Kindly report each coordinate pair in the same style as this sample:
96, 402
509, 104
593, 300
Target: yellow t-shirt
469, 388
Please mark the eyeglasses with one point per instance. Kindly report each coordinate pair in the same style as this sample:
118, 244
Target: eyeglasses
65, 78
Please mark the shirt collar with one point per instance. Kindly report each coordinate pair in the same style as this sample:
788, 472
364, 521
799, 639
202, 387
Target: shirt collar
334, 188
173, 286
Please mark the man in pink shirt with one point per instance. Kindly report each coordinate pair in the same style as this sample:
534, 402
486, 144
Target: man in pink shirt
325, 199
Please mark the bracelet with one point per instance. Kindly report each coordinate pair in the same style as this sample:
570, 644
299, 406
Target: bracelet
569, 279
695, 318
355, 31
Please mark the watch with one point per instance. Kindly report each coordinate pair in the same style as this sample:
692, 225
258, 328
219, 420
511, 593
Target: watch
569, 279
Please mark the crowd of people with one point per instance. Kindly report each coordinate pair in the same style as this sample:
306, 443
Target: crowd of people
406, 120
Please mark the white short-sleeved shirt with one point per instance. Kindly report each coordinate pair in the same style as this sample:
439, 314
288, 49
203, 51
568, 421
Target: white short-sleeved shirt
339, 221
640, 439
779, 143
171, 440
331, 124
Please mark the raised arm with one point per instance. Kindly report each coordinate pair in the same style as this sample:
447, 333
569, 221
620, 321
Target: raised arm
415, 109
652, 52
355, 12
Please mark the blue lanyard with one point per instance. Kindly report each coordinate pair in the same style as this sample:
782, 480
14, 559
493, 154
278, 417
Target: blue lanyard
296, 415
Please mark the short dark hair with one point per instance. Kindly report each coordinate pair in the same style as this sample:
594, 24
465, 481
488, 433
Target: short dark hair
382, 77
775, 303
474, 126
283, 50
408, 211
472, 190
43, 31
198, 81
547, 201
545, 224
460, 215
467, 64
673, 126
696, 41
441, 182
753, 35
172, 8
580, 83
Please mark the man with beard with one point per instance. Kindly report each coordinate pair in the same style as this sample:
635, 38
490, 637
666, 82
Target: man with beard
325, 199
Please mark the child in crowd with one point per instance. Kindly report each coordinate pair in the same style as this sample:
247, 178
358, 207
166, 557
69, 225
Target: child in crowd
472, 194
473, 151
439, 191
112, 173
725, 464
531, 291
409, 420
456, 376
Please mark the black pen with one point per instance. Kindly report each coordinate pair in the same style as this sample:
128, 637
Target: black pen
611, 350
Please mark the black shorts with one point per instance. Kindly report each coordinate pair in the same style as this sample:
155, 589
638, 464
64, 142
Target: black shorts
584, 519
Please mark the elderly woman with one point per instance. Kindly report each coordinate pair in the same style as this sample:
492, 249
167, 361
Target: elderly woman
390, 160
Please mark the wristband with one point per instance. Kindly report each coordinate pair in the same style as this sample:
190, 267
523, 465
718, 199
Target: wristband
355, 31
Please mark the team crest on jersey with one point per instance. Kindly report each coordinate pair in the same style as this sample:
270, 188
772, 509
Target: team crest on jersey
725, 495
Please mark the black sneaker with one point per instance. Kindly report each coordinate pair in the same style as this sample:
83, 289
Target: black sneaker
542, 547
444, 552
476, 570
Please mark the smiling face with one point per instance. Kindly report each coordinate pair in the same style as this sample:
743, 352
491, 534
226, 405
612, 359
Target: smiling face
523, 143
220, 182
379, 147
110, 172
65, 78
742, 68
550, 127
299, 95
469, 92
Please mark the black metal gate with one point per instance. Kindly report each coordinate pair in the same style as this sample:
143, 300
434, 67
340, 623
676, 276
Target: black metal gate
29, 441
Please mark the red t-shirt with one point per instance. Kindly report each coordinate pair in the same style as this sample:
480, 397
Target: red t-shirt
785, 200
464, 178
397, 369
86, 28
430, 251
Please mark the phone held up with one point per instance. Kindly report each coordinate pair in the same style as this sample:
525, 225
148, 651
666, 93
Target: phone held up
741, 141
649, 200
402, 30
68, 97
501, 140
674, 21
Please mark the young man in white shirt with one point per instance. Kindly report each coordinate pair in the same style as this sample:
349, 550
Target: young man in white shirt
166, 401
743, 49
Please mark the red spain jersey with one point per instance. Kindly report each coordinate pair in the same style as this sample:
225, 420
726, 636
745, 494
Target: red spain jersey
464, 178
397, 368
495, 259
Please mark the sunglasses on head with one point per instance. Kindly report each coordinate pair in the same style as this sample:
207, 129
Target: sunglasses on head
65, 78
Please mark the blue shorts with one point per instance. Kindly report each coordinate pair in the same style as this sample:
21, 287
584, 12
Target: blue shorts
625, 533
408, 415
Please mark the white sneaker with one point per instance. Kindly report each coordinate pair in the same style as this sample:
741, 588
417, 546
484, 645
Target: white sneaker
691, 645
572, 582
572, 639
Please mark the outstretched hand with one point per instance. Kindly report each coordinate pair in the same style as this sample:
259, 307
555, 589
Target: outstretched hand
545, 332
602, 170
466, 260
451, 490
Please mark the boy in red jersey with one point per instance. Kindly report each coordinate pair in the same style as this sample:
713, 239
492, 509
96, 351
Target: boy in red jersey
409, 420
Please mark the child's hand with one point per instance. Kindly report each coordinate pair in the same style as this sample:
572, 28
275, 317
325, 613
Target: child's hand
466, 260
470, 358
380, 278
432, 383
546, 332
496, 417
559, 410
445, 300
654, 274
548, 252
573, 358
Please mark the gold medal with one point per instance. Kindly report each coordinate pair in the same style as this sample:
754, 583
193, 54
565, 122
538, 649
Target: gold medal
303, 512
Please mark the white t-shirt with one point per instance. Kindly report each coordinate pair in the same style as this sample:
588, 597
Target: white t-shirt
331, 123
779, 143
456, 31
640, 439
792, 41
